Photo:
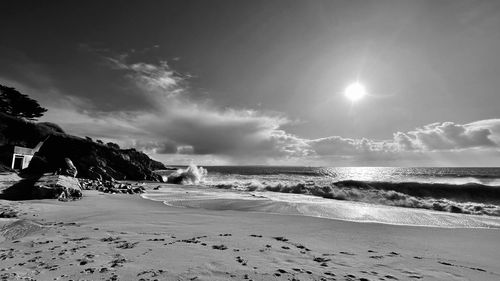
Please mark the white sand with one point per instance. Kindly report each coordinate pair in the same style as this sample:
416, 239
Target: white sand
125, 237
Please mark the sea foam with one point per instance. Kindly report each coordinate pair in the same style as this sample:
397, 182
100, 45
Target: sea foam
312, 206
458, 191
473, 199
191, 175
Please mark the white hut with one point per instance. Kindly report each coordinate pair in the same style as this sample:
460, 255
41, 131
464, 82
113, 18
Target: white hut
22, 156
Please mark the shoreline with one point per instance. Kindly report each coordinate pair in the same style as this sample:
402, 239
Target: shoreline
201, 197
126, 237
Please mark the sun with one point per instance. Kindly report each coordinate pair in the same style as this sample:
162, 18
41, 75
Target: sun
355, 91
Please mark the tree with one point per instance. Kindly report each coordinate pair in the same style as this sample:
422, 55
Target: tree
16, 104
113, 145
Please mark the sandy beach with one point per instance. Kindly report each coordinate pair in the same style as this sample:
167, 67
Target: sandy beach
126, 237
250, 140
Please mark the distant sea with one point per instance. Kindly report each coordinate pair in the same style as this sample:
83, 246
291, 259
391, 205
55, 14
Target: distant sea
447, 197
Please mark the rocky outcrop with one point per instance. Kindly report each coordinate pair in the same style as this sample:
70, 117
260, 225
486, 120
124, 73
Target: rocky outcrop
44, 187
69, 169
112, 187
57, 187
94, 160
91, 159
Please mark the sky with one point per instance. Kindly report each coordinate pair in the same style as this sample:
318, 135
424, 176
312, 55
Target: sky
263, 82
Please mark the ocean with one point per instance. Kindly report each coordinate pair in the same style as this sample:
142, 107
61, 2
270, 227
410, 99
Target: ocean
442, 197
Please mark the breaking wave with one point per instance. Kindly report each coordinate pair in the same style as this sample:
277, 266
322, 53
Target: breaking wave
464, 190
471, 198
191, 175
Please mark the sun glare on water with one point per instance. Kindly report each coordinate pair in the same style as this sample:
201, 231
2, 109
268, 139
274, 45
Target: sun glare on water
355, 92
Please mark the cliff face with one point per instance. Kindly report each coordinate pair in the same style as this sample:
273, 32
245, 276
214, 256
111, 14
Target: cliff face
90, 158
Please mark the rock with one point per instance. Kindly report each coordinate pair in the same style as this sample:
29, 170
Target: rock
91, 158
175, 179
103, 174
43, 187
109, 187
63, 197
56, 187
69, 169
93, 175
138, 190
8, 214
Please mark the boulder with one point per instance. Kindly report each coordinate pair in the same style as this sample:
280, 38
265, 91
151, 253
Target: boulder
69, 169
56, 187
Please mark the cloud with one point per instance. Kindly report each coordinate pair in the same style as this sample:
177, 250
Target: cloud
198, 127
232, 133
179, 124
446, 136
336, 145
179, 127
150, 77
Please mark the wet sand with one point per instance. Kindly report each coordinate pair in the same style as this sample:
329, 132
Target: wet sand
125, 237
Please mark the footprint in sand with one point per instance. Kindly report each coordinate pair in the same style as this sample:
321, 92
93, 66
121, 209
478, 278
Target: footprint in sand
350, 276
471, 268
302, 247
118, 261
90, 270
194, 240
219, 247
321, 260
127, 245
110, 239
151, 273
280, 238
156, 239
79, 239
84, 261
347, 253
241, 261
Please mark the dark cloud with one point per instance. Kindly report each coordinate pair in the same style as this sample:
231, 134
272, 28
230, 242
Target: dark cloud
179, 124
